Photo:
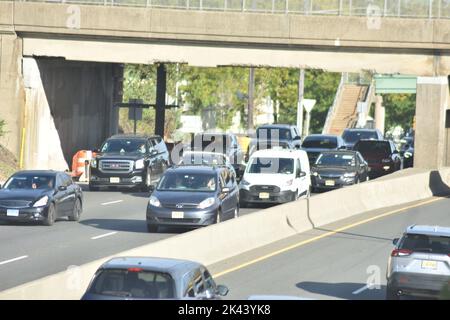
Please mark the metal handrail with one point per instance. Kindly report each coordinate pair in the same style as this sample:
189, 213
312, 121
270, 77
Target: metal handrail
372, 9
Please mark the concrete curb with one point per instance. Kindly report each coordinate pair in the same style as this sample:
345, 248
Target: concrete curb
230, 238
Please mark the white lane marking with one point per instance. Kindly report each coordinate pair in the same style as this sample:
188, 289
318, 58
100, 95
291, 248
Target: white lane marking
104, 235
362, 289
12, 260
111, 202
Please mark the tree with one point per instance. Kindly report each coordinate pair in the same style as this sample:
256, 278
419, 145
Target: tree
400, 110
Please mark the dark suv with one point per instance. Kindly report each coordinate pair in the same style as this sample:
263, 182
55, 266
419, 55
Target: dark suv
382, 156
285, 136
129, 161
352, 135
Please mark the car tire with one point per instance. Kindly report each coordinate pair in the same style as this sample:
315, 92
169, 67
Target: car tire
219, 216
148, 181
152, 228
76, 211
391, 294
51, 214
92, 188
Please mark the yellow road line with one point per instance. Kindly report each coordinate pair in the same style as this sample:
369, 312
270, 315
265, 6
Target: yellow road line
302, 243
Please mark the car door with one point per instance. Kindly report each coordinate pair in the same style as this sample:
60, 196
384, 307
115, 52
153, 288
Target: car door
363, 168
71, 194
301, 182
153, 160
225, 198
234, 191
60, 197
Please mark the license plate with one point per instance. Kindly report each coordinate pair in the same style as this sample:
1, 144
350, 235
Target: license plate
329, 182
427, 264
12, 213
264, 195
177, 214
114, 180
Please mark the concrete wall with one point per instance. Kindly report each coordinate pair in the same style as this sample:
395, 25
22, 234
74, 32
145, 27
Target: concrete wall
214, 244
72, 104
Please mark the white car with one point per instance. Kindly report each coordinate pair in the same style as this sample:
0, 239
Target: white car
275, 176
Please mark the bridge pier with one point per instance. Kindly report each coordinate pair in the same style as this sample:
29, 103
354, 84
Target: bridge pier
431, 134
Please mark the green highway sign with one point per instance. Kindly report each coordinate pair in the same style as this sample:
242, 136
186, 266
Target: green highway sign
395, 84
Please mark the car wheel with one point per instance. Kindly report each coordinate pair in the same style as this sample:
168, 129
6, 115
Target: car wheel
148, 181
152, 228
76, 211
391, 294
219, 216
50, 220
92, 188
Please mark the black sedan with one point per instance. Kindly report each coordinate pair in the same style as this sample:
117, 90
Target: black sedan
335, 169
193, 196
40, 196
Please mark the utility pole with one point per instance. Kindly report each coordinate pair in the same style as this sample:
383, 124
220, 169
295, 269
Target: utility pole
301, 86
160, 115
251, 89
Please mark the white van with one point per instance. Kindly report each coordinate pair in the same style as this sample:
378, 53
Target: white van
275, 176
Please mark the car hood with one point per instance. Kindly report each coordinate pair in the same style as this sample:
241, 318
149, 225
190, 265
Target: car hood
174, 197
334, 170
23, 194
265, 179
120, 156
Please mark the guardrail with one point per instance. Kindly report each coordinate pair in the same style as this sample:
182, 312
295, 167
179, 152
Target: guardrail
371, 8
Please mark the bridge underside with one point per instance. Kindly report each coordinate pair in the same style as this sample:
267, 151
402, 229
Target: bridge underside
337, 59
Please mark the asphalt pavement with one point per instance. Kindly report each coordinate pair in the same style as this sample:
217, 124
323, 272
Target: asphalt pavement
322, 264
112, 221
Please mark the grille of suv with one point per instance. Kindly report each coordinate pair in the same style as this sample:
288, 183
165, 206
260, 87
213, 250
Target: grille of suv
118, 166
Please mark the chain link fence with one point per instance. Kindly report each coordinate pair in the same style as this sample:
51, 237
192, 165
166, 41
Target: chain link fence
377, 8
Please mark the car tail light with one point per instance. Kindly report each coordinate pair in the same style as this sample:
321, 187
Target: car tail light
135, 269
401, 252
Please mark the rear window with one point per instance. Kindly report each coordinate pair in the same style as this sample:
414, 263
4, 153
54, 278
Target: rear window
274, 133
375, 147
322, 143
426, 243
133, 284
211, 143
355, 136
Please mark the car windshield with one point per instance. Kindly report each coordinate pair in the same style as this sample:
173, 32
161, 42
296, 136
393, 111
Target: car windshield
426, 243
189, 182
271, 165
322, 143
373, 147
336, 160
203, 159
124, 146
355, 136
274, 133
30, 181
133, 283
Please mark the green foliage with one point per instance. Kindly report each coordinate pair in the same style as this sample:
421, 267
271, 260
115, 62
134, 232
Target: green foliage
400, 110
2, 127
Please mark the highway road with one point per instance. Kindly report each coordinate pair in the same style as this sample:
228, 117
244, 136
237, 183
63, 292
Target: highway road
112, 221
336, 266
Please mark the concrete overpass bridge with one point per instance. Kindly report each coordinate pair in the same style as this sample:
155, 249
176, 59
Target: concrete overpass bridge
60, 62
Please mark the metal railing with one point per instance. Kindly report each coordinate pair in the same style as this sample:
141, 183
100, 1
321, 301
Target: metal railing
373, 9
332, 109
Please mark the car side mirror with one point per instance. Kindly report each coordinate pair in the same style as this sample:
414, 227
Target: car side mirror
222, 290
301, 174
395, 241
225, 190
62, 188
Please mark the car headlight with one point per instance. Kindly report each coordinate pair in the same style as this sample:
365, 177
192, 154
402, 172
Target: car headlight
350, 175
386, 160
408, 154
245, 182
153, 201
94, 163
41, 202
208, 202
139, 164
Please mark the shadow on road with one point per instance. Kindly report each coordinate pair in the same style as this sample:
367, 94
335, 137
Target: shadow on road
127, 225
345, 290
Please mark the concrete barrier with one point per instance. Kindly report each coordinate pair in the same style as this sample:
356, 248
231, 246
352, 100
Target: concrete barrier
233, 237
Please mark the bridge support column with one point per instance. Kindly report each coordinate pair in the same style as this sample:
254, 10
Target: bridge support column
160, 110
432, 101
380, 113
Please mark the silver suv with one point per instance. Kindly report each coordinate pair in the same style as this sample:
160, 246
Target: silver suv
419, 265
